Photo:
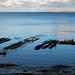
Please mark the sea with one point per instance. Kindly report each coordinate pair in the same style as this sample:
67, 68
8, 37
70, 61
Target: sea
45, 25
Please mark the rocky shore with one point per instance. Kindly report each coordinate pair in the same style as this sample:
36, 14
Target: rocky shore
12, 69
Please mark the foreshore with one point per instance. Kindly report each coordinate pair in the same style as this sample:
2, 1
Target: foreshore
12, 69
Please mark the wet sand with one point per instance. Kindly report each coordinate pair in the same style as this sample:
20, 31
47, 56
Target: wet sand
12, 69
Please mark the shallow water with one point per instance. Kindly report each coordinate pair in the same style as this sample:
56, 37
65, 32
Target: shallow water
19, 26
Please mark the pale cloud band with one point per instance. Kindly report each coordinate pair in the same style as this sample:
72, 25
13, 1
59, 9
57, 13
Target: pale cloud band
37, 3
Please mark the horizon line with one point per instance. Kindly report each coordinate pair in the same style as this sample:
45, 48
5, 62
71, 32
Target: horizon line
42, 11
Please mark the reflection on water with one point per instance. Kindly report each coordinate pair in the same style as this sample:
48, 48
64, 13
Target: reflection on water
27, 55
64, 32
52, 26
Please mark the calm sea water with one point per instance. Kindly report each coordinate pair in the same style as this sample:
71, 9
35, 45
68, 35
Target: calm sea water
45, 25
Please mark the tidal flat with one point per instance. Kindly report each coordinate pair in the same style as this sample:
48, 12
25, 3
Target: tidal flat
15, 69
12, 69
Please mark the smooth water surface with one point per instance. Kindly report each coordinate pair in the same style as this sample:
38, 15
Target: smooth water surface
45, 25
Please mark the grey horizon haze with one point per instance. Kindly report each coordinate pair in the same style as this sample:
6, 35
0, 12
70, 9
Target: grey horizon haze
37, 5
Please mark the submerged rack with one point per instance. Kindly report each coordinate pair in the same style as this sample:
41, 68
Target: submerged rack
52, 43
46, 44
20, 43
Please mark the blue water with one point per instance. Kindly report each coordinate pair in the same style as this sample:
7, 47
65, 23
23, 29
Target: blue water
45, 25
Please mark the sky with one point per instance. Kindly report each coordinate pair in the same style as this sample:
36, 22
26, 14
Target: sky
37, 5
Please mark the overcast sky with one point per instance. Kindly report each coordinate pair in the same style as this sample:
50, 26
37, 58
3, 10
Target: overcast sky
37, 5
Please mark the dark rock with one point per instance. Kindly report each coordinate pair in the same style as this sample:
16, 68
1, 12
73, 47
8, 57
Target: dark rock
7, 65
61, 66
21, 74
25, 70
43, 71
67, 71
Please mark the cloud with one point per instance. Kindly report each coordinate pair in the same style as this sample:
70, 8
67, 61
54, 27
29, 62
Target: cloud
37, 3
